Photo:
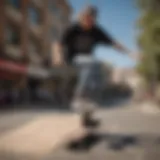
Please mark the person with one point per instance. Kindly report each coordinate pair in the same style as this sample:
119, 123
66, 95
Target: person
82, 37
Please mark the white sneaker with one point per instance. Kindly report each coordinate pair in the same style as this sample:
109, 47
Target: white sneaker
82, 105
77, 104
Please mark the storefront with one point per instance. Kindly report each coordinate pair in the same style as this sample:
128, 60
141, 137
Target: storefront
12, 78
31, 81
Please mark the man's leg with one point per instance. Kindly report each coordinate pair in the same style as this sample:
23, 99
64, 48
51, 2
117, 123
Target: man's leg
84, 104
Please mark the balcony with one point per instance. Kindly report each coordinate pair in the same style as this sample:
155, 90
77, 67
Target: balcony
13, 15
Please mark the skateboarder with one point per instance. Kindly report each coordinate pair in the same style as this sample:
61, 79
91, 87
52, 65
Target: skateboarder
81, 38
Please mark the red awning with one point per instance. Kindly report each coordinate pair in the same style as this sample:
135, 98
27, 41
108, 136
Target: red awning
12, 67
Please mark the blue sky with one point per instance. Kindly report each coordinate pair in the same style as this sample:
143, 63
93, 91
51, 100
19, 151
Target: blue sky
118, 17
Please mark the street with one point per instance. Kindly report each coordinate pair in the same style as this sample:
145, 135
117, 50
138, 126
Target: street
62, 59
126, 132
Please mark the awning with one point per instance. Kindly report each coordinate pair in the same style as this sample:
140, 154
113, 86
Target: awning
33, 71
12, 67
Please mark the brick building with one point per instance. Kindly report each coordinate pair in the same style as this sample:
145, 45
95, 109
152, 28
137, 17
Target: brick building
27, 31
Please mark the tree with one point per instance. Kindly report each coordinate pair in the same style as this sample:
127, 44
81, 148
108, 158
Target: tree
149, 39
149, 4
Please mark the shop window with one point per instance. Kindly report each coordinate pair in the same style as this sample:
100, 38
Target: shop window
14, 3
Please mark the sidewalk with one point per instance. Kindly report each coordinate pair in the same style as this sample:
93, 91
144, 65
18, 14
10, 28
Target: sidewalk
41, 135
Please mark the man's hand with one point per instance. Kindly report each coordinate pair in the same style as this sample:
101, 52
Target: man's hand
121, 48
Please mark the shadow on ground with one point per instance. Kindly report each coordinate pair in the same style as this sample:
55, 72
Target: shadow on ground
113, 142
116, 97
115, 102
36, 106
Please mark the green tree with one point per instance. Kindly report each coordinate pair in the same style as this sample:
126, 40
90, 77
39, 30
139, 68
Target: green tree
149, 4
149, 39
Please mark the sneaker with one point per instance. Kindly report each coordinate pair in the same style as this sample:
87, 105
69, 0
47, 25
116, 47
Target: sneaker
88, 121
77, 105
91, 123
81, 104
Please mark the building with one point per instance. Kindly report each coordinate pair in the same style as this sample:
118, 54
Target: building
131, 78
119, 75
27, 31
136, 83
28, 28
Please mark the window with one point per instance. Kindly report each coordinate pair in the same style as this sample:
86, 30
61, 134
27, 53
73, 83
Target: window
34, 16
12, 36
15, 3
53, 9
53, 6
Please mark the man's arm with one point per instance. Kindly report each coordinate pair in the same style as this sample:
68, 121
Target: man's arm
124, 50
105, 38
118, 46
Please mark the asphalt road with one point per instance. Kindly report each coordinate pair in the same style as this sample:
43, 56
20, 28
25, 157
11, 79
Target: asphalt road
126, 133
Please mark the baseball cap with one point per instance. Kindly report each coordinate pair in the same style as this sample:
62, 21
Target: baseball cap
91, 10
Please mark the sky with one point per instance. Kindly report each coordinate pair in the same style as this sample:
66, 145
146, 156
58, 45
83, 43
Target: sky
118, 17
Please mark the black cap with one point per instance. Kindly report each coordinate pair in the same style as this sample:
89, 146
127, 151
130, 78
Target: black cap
91, 10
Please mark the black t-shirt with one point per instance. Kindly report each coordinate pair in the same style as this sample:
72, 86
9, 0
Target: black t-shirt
77, 40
